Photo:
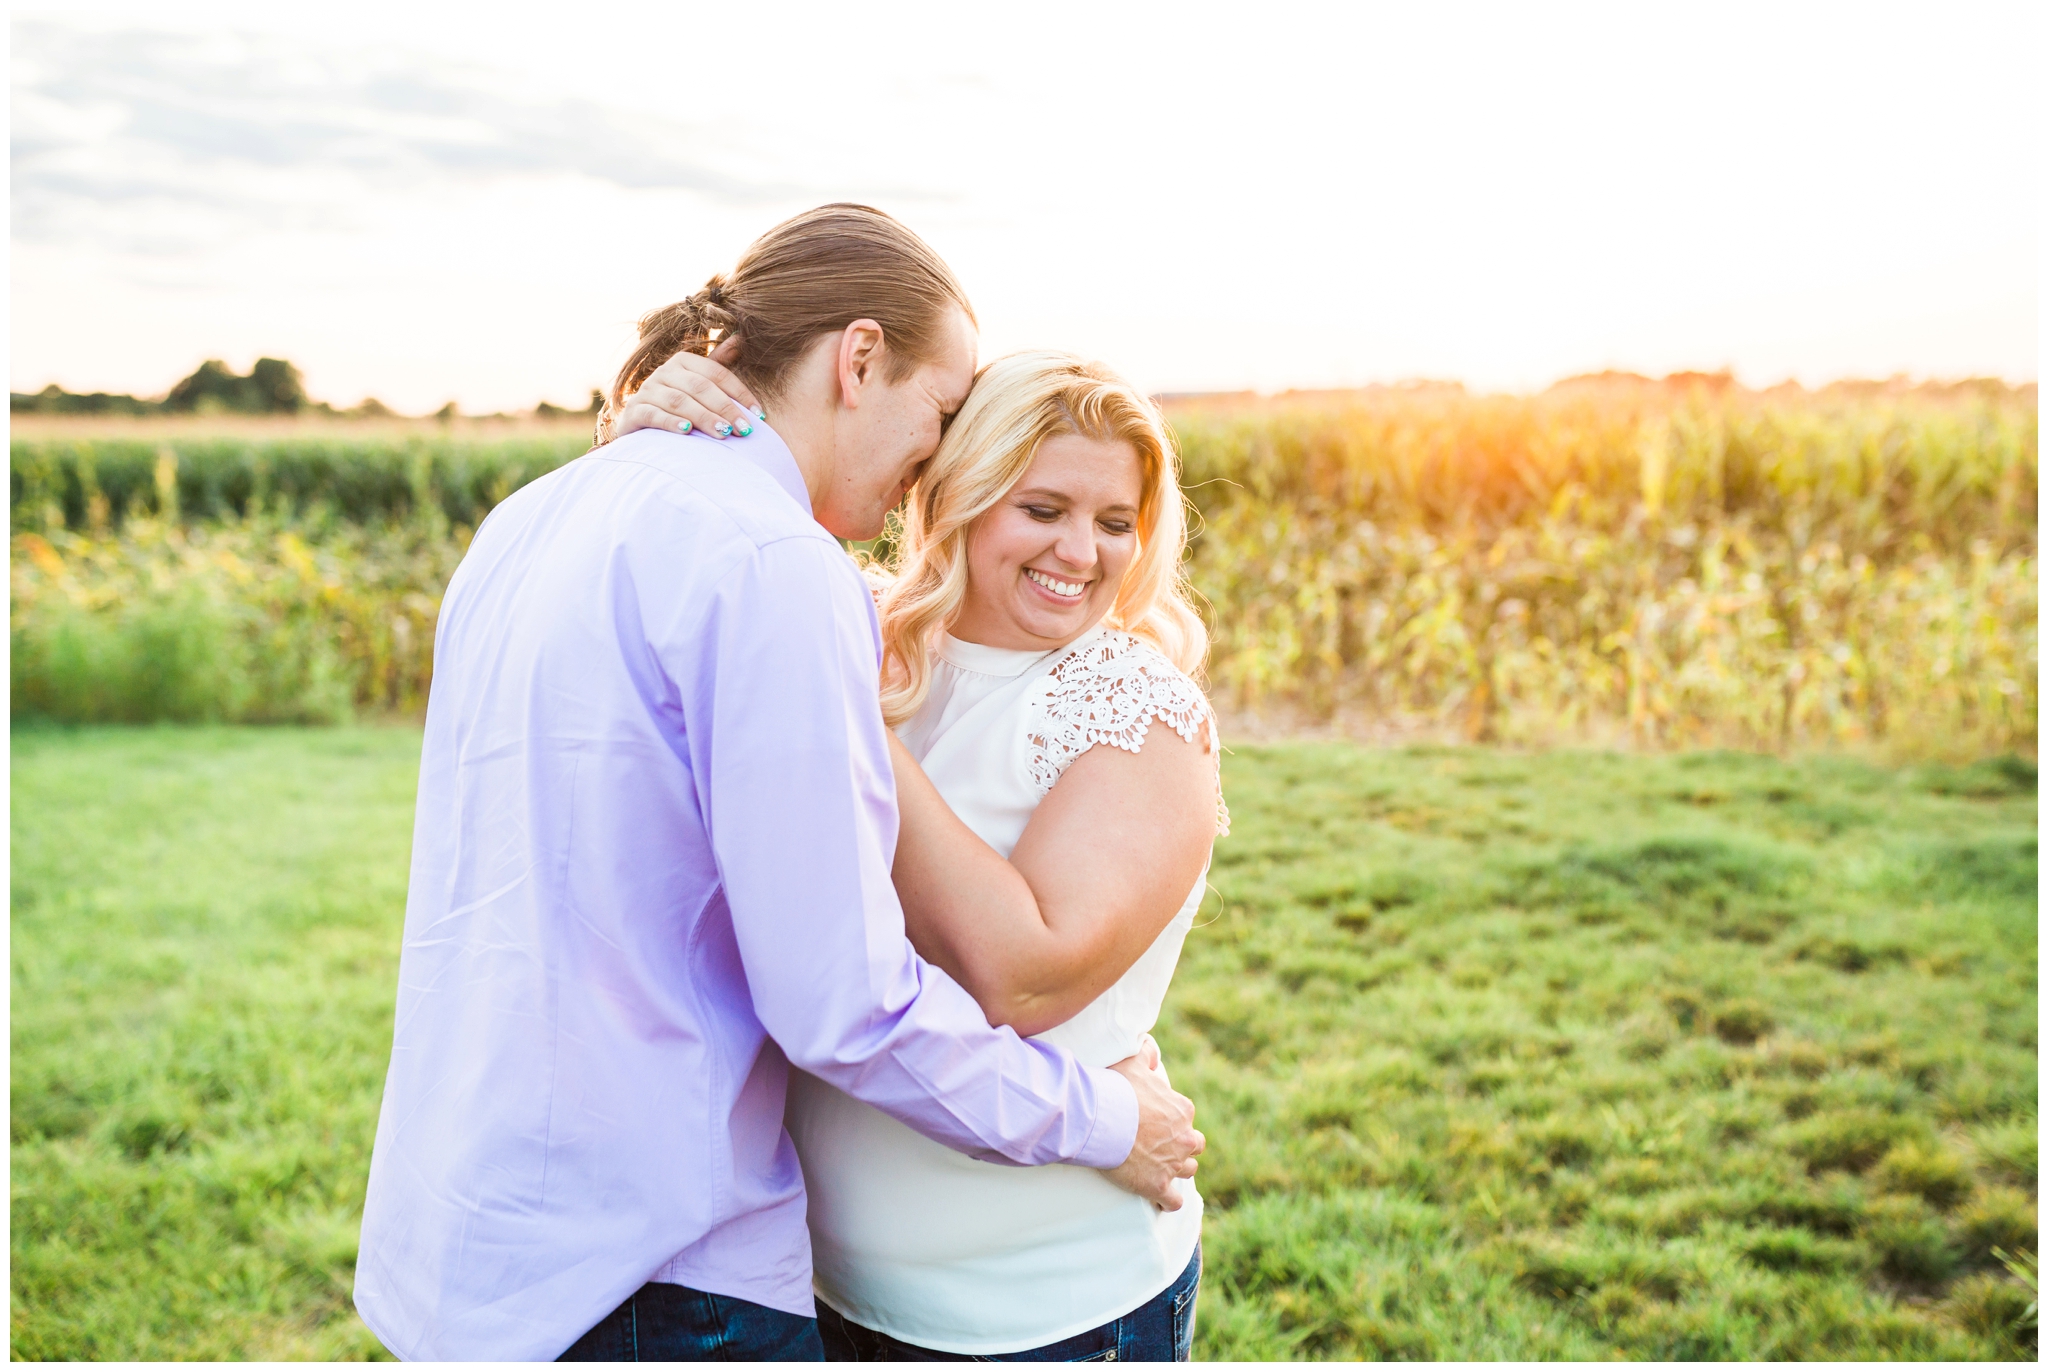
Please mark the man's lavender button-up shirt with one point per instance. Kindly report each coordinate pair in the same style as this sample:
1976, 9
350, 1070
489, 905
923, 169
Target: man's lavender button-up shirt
651, 870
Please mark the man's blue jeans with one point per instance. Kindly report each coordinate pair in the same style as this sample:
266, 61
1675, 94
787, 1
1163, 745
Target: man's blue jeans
665, 1323
1160, 1330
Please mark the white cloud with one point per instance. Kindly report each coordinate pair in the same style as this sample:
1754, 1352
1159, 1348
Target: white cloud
151, 141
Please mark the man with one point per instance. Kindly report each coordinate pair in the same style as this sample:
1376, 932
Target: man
651, 861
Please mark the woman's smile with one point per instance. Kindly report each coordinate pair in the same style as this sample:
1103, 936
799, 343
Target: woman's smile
1056, 588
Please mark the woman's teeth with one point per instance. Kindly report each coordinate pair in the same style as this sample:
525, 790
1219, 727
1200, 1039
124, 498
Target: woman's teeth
1069, 589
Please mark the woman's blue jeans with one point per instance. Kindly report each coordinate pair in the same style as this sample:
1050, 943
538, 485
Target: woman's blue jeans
1160, 1330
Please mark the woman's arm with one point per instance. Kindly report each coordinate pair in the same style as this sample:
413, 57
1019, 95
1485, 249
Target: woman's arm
1104, 865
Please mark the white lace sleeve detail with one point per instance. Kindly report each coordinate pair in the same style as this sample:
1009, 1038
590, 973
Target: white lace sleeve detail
1110, 692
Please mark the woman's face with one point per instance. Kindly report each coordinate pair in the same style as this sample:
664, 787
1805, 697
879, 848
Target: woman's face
1044, 564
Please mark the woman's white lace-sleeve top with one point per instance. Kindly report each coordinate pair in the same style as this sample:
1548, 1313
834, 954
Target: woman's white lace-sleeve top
918, 1241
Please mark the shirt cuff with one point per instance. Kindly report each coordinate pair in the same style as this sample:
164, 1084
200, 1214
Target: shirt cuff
1116, 1121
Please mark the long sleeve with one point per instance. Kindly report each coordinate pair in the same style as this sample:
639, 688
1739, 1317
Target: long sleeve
800, 809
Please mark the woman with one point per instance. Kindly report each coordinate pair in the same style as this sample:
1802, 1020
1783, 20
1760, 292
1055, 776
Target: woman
1035, 611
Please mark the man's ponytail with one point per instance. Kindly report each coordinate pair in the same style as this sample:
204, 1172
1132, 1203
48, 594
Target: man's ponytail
809, 276
688, 326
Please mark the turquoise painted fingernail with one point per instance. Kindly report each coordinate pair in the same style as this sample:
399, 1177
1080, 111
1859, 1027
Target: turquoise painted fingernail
724, 429
686, 426
745, 428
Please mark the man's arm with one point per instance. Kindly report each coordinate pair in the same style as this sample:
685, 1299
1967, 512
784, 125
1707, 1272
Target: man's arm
798, 797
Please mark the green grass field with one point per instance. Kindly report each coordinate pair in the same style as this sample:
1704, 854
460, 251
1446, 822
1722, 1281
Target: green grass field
1501, 1055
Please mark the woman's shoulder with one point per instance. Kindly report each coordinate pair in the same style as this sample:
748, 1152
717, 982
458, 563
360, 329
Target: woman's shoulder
1110, 689
1124, 672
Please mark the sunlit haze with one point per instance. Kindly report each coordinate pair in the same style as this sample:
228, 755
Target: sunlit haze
424, 202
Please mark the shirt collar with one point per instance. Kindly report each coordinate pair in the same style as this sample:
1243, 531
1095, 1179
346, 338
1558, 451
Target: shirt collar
983, 660
766, 450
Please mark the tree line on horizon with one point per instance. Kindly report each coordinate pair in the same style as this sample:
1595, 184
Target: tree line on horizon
272, 387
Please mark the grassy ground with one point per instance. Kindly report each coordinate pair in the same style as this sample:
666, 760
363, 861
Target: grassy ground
1501, 1055
205, 955
1568, 1056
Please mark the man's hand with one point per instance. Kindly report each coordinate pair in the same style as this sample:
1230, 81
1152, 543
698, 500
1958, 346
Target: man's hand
1168, 1141
691, 392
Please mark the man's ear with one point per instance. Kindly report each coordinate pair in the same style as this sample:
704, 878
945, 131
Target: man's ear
860, 359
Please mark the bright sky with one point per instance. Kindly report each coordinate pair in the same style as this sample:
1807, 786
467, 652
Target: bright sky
428, 201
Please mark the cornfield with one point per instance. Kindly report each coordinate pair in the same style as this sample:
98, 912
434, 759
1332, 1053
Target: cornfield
1657, 564
1682, 568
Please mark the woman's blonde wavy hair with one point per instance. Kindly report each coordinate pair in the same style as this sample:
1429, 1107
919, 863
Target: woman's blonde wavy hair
1017, 403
